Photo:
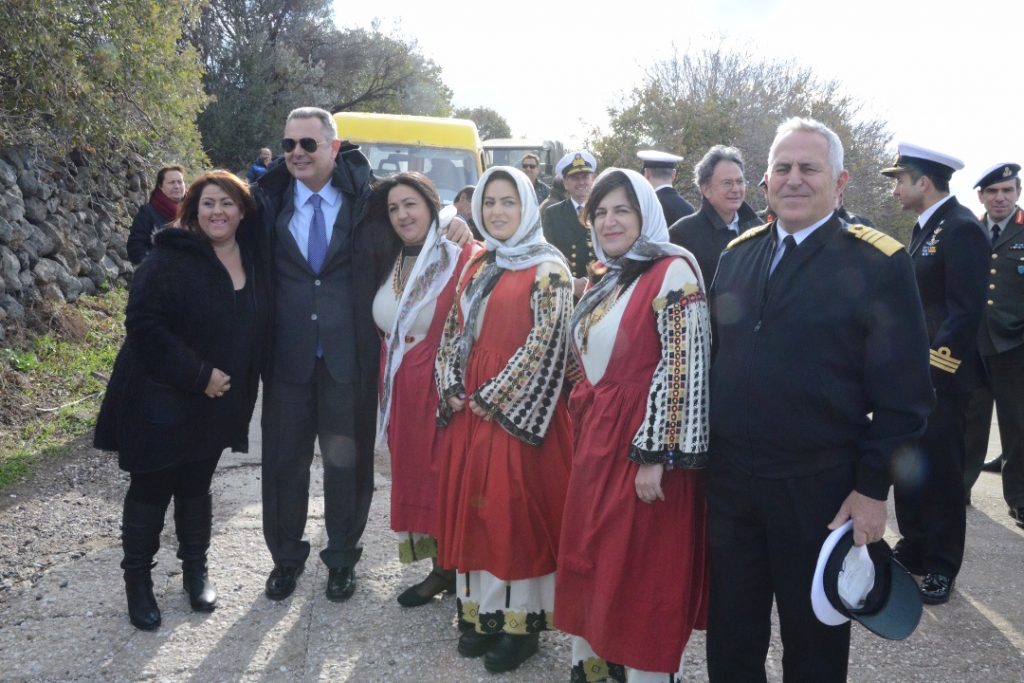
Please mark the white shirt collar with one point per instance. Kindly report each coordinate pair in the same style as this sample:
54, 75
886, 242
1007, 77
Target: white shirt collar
927, 213
661, 186
799, 235
328, 193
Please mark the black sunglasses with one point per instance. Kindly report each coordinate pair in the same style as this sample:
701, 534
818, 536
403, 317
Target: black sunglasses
529, 167
308, 144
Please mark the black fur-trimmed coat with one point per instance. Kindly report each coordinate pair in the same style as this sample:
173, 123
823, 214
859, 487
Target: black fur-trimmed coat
179, 320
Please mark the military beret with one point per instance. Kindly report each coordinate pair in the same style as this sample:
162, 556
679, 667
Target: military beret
997, 174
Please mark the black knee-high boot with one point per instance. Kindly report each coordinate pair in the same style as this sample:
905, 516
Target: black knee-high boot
141, 525
193, 519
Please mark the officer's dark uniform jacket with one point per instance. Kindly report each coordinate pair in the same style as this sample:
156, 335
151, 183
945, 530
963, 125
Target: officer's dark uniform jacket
563, 229
337, 303
673, 204
950, 255
826, 364
706, 235
1003, 326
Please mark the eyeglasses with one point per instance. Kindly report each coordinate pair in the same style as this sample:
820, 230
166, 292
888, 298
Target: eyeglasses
307, 144
529, 167
730, 184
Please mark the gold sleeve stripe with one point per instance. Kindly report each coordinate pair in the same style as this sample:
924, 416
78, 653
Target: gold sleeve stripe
879, 240
943, 360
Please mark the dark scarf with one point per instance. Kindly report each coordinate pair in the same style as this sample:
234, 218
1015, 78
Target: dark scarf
164, 205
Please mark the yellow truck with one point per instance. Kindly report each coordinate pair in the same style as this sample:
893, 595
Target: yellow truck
448, 151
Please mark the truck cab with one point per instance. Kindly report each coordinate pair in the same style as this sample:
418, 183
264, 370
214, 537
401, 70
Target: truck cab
448, 151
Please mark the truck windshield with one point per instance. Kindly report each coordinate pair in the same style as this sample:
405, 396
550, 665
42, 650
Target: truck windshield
449, 169
512, 156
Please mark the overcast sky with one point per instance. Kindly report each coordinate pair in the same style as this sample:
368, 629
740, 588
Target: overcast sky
942, 74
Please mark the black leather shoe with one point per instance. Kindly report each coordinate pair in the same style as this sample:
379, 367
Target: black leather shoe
423, 592
1018, 514
341, 584
511, 651
473, 644
936, 588
993, 465
281, 581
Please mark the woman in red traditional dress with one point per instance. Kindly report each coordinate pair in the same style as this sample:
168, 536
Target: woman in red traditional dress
410, 309
500, 370
632, 569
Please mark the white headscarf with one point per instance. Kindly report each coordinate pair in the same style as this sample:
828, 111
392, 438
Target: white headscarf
652, 243
429, 275
526, 248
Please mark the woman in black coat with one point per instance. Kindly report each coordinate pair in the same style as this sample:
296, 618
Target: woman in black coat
184, 384
160, 210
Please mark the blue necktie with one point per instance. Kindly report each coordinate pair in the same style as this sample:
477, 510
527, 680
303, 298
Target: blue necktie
316, 247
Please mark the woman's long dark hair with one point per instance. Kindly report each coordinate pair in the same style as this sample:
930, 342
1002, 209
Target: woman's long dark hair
390, 244
188, 210
631, 269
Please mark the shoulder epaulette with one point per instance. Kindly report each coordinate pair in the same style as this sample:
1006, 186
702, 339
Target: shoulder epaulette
753, 232
876, 238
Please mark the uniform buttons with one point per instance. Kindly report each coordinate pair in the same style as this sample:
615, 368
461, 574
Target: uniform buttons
410, 339
993, 271
995, 256
991, 303
313, 317
991, 286
317, 282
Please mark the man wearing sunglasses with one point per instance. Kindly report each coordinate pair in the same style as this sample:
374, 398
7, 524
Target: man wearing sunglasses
320, 383
531, 167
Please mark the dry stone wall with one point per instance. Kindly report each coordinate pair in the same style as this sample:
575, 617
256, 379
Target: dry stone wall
63, 225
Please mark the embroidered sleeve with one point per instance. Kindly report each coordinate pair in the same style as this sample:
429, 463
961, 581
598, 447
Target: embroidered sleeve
675, 428
447, 369
522, 397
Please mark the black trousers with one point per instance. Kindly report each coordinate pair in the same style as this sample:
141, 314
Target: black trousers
1005, 386
928, 490
766, 535
342, 418
188, 480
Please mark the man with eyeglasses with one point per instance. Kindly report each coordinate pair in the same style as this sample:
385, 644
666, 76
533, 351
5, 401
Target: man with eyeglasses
723, 213
320, 381
531, 167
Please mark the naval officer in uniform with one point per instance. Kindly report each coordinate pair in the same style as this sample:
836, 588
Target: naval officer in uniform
950, 254
1001, 341
564, 224
660, 171
816, 326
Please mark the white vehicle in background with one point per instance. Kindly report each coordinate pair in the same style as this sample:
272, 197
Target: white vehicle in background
509, 152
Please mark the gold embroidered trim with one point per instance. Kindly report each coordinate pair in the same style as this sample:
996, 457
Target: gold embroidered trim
879, 240
753, 232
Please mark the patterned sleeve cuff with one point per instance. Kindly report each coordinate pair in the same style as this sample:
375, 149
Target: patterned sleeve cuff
509, 425
672, 459
444, 411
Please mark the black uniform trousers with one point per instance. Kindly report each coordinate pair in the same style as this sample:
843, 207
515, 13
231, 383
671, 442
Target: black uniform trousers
765, 536
928, 491
294, 415
1004, 374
